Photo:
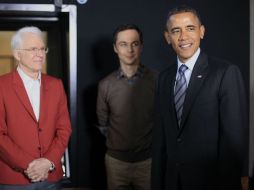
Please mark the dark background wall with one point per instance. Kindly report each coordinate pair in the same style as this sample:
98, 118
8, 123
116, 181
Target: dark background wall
227, 36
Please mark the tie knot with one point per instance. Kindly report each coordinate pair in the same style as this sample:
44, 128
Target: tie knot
182, 69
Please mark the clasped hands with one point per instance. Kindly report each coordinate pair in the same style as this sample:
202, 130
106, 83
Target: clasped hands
38, 170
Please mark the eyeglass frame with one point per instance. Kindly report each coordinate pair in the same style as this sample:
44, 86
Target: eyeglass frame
35, 51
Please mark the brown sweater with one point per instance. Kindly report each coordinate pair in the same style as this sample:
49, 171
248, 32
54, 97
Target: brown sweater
126, 109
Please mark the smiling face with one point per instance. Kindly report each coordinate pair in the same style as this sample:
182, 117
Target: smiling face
30, 62
184, 32
128, 47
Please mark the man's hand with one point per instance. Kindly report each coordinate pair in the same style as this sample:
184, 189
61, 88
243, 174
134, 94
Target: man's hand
38, 169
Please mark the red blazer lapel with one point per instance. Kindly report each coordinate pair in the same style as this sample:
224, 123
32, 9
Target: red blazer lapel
22, 95
43, 99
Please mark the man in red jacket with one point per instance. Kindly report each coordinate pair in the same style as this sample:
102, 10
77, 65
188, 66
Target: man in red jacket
34, 120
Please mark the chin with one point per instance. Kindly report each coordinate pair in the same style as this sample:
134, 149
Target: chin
187, 55
129, 63
37, 69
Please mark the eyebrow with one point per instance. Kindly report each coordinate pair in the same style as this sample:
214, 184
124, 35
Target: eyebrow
136, 41
188, 26
175, 28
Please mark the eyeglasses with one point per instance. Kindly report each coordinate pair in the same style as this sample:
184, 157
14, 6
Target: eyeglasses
35, 51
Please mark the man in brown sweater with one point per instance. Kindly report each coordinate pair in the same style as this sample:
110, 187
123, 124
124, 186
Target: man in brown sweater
125, 114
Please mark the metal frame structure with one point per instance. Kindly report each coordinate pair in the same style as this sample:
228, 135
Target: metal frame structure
251, 114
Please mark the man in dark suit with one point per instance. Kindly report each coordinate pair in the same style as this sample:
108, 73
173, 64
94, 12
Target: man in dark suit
201, 134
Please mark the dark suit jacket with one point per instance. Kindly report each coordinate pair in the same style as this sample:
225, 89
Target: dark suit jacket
209, 150
22, 138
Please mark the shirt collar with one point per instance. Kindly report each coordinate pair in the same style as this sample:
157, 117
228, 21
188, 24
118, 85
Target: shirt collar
191, 62
139, 73
27, 79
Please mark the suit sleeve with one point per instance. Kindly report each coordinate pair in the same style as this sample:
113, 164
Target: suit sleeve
158, 146
63, 129
102, 109
10, 152
233, 124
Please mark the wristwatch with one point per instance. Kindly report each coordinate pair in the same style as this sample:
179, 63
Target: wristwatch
52, 167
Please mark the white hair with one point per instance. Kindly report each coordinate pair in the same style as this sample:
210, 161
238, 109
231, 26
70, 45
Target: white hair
17, 40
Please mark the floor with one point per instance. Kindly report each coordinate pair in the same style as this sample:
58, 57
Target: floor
245, 185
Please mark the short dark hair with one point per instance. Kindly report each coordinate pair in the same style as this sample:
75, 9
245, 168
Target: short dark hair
124, 27
183, 9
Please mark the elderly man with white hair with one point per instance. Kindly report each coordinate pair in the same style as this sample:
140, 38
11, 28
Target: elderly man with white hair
34, 120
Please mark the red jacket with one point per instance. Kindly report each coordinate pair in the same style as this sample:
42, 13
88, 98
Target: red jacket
22, 138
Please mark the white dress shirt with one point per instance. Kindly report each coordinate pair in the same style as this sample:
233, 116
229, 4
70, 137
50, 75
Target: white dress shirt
190, 64
32, 87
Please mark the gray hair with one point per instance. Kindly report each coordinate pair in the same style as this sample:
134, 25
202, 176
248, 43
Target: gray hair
17, 40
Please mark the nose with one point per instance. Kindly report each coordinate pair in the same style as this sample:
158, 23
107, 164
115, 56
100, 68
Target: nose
183, 36
130, 48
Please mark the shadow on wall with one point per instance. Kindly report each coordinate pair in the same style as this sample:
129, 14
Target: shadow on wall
104, 58
104, 61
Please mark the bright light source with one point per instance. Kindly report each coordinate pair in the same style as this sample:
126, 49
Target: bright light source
82, 1
58, 3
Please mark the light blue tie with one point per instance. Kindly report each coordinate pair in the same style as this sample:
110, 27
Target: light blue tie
180, 90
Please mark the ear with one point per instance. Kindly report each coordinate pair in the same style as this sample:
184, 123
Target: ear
16, 55
167, 37
202, 32
141, 47
115, 49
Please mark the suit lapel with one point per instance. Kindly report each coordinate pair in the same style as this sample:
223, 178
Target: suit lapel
169, 93
198, 76
43, 98
22, 94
